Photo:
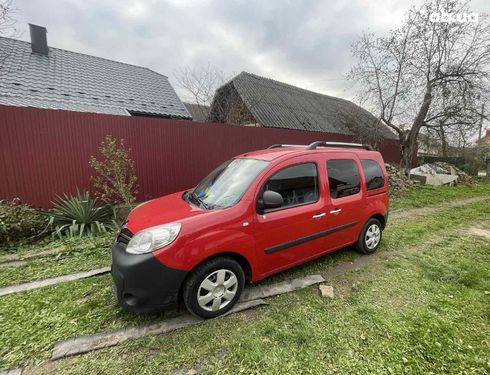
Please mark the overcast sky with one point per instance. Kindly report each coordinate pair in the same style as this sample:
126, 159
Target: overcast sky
304, 43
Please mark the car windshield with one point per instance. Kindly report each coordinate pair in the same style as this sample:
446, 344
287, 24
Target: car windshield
225, 186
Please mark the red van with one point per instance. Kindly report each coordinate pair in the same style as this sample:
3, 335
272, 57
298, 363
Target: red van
255, 215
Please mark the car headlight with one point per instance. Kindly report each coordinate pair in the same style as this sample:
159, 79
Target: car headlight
153, 238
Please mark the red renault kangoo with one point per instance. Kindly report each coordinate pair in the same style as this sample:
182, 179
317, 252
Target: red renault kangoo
255, 215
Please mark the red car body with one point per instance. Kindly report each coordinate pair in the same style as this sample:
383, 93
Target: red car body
263, 243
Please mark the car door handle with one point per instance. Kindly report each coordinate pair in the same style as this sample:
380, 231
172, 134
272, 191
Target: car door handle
335, 212
317, 216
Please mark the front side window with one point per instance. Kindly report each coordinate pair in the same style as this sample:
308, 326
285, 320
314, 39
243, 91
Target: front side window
343, 177
225, 186
297, 184
373, 174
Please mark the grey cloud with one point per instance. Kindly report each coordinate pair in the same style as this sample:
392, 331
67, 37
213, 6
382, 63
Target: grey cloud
305, 43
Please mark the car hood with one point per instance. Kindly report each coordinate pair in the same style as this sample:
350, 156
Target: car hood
167, 209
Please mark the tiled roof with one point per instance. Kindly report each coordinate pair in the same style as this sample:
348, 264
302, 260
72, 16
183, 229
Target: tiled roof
279, 105
198, 112
74, 81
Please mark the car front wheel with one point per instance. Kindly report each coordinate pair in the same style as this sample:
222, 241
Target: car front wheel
214, 287
370, 236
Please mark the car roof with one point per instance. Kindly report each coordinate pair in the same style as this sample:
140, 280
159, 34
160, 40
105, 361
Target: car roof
286, 152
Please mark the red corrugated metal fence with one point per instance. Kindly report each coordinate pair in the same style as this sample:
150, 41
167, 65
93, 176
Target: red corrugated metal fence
46, 152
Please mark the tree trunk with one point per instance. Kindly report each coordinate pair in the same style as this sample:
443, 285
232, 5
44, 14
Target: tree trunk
409, 142
442, 135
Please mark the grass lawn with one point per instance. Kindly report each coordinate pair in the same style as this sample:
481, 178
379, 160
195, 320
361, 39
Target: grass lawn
426, 313
73, 255
294, 331
422, 196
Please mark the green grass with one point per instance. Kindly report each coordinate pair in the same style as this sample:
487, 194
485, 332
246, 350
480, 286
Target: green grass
31, 322
422, 196
74, 255
424, 313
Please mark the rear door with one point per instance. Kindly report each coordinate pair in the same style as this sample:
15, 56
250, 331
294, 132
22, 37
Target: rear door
290, 234
344, 199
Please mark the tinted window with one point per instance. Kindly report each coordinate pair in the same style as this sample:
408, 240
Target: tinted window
373, 174
297, 184
343, 177
226, 184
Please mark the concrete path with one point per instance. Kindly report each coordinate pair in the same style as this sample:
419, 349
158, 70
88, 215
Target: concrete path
15, 371
84, 344
265, 291
52, 281
422, 211
29, 256
251, 297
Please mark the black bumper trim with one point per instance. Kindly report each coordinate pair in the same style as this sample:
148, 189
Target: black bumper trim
142, 283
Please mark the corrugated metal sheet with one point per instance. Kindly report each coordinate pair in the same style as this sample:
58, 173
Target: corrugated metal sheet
45, 153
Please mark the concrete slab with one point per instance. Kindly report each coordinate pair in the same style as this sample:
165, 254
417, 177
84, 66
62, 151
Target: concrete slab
84, 344
14, 263
28, 256
14, 371
264, 291
251, 297
52, 281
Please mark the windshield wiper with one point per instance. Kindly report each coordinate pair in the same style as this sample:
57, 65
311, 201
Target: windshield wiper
200, 202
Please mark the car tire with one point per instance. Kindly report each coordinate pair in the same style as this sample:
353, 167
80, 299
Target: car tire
214, 287
370, 236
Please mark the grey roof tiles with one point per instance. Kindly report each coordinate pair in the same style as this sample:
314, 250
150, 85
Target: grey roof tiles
78, 82
279, 105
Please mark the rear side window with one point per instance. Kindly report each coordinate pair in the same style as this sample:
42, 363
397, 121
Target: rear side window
373, 173
343, 177
297, 184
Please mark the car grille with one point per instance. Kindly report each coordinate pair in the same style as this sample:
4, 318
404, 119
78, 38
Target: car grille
124, 236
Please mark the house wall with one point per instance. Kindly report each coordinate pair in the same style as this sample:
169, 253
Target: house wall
45, 153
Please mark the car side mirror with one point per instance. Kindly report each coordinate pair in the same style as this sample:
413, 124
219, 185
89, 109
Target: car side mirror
271, 199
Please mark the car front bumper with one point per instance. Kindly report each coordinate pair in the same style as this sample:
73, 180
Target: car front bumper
142, 283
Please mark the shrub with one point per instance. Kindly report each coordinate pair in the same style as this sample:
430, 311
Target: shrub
20, 222
79, 215
115, 178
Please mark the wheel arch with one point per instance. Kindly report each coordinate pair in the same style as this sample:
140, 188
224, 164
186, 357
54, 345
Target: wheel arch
380, 217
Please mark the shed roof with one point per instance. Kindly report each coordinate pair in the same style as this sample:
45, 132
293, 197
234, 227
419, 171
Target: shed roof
199, 112
279, 105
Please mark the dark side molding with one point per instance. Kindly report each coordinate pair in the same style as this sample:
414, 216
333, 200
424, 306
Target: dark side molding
311, 237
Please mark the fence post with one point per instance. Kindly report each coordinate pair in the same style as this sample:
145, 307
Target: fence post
488, 166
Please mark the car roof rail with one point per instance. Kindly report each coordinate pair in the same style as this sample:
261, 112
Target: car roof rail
277, 145
314, 145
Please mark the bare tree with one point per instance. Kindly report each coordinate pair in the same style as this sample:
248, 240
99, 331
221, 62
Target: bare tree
200, 84
7, 29
426, 73
7, 20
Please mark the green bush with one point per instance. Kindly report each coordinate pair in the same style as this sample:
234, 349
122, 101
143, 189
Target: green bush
80, 215
115, 178
20, 222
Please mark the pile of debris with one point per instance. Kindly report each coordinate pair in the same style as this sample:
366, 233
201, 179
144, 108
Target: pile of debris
398, 181
440, 173
463, 177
